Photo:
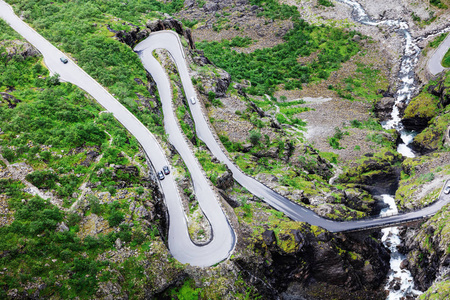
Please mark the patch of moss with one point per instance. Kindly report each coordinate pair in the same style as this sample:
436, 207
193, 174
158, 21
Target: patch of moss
379, 163
431, 137
424, 105
439, 290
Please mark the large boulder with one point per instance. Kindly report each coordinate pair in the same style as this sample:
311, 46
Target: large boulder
132, 37
211, 7
223, 82
441, 90
420, 111
214, 82
19, 48
383, 108
225, 181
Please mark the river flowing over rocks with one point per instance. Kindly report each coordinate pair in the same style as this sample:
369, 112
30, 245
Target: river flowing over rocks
400, 283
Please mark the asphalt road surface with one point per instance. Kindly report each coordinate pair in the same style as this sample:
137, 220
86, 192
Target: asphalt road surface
170, 41
180, 244
435, 62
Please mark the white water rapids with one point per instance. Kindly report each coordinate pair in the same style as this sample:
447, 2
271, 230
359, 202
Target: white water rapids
400, 282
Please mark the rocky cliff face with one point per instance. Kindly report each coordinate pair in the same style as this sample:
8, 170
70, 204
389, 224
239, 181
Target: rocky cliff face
428, 255
308, 257
426, 114
377, 173
135, 35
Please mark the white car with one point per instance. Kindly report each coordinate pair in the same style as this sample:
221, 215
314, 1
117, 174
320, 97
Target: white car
193, 100
447, 190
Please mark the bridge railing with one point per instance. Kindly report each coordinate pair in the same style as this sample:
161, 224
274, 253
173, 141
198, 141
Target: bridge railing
388, 224
400, 212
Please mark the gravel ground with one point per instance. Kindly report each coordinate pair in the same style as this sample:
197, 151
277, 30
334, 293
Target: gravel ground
328, 114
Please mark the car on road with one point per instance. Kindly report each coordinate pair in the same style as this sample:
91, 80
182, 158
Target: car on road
64, 60
161, 175
447, 189
166, 170
193, 100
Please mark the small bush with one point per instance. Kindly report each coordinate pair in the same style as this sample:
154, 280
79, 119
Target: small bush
326, 3
254, 137
115, 218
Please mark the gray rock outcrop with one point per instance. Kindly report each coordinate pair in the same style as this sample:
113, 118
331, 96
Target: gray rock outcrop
136, 34
383, 108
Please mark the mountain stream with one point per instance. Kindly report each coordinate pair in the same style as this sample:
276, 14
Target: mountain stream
400, 283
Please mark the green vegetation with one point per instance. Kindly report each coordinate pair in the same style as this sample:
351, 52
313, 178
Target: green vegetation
269, 67
412, 180
423, 106
326, 3
446, 60
212, 169
363, 85
437, 41
189, 23
54, 128
381, 163
274, 10
439, 290
60, 133
187, 291
115, 66
32, 245
136, 11
338, 135
371, 124
434, 110
438, 4
254, 137
288, 112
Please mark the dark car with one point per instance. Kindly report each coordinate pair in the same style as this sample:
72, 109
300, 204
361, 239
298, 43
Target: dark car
166, 170
447, 190
160, 175
64, 60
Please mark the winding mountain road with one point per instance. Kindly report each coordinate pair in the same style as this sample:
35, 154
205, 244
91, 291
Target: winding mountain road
180, 244
170, 41
435, 62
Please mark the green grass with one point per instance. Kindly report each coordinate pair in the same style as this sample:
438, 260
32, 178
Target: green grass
326, 3
446, 60
269, 67
274, 10
108, 61
371, 124
363, 85
437, 41
338, 135
438, 4
32, 242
